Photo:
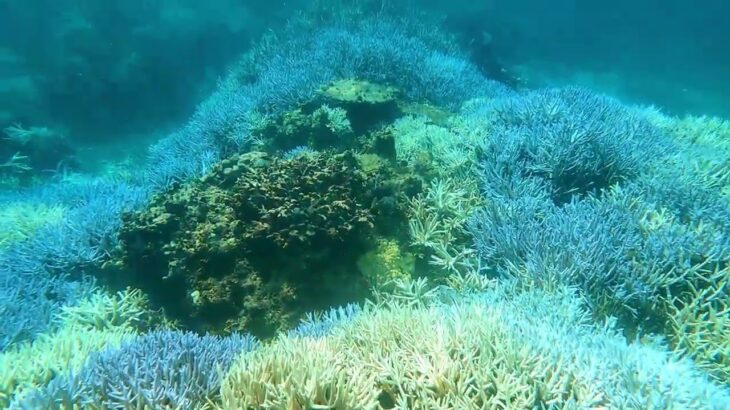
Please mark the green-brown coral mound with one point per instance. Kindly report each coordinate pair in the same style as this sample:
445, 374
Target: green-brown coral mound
259, 240
346, 114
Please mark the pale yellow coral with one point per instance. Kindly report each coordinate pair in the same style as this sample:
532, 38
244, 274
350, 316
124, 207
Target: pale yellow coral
437, 220
707, 155
386, 262
352, 90
19, 220
102, 311
406, 358
33, 365
703, 130
495, 350
417, 139
99, 322
700, 325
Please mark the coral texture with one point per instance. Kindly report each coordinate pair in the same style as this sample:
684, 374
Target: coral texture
493, 350
166, 369
258, 241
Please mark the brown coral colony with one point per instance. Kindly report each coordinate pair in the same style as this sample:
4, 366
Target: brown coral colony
260, 239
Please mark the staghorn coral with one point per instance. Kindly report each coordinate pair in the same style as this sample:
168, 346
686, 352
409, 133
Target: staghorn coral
598, 238
639, 215
20, 220
711, 132
167, 369
31, 367
288, 69
258, 241
51, 267
437, 224
497, 349
125, 309
699, 326
95, 323
320, 324
565, 143
446, 150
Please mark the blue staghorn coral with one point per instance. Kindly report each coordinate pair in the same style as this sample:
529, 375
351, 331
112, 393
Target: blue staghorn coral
319, 325
49, 269
564, 143
585, 191
165, 369
285, 72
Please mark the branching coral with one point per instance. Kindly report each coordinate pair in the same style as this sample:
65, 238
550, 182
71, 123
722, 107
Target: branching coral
126, 309
437, 223
159, 370
448, 151
20, 220
30, 367
36, 273
525, 350
97, 322
596, 240
700, 325
635, 218
321, 324
567, 142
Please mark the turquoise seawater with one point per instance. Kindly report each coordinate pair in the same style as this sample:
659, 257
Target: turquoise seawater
364, 204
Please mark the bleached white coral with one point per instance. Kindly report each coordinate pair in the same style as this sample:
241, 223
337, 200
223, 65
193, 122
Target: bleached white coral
493, 350
101, 321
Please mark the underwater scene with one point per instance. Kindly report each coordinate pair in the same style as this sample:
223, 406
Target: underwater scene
373, 204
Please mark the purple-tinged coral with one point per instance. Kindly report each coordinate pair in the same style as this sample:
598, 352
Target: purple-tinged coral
320, 325
167, 369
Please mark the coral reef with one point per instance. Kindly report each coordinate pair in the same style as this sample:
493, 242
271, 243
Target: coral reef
497, 349
259, 241
544, 249
52, 266
97, 322
166, 369
288, 69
